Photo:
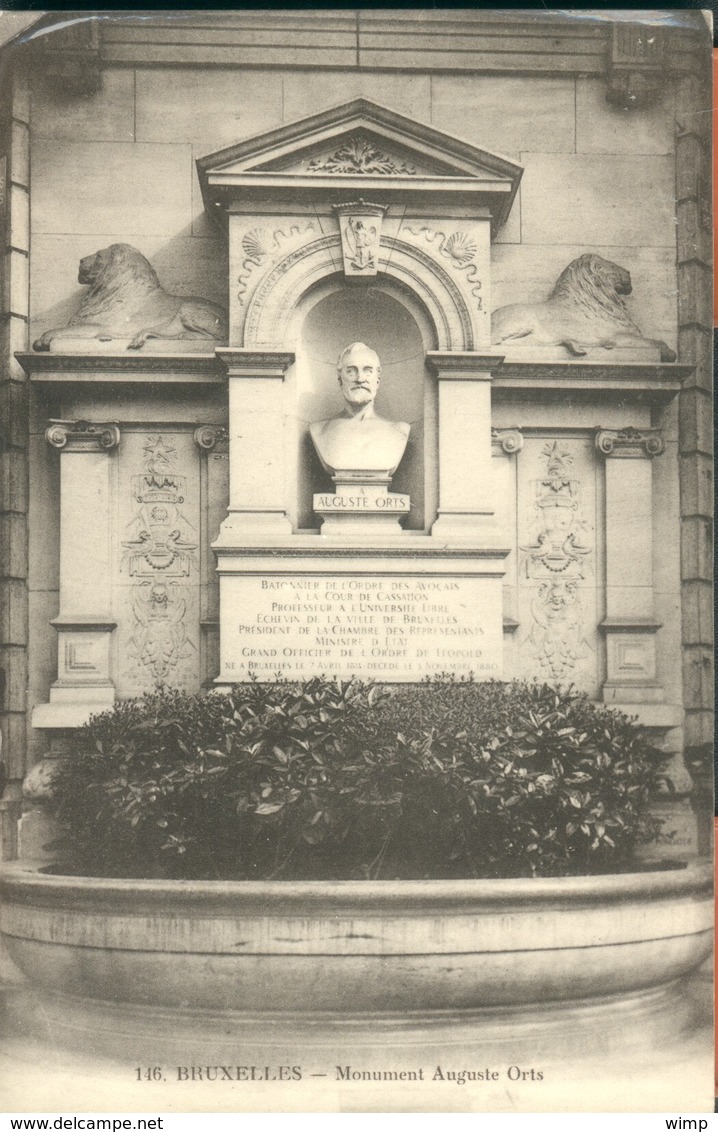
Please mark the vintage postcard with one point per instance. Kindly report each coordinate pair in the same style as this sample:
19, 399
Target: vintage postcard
356, 585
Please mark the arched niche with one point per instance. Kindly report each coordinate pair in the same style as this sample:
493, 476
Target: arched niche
287, 198
391, 321
270, 311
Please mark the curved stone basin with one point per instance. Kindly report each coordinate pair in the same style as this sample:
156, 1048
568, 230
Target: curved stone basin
352, 947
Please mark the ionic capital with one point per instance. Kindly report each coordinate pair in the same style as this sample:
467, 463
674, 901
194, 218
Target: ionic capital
630, 443
207, 436
82, 436
510, 440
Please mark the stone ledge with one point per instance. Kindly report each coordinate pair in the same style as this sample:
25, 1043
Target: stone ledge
658, 382
61, 717
648, 715
192, 369
629, 625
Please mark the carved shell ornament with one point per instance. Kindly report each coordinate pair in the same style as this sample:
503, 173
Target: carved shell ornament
258, 243
358, 155
460, 247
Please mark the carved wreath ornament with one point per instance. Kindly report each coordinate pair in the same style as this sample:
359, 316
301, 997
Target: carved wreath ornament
357, 156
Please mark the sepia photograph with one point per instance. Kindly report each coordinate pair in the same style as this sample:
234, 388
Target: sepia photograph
356, 583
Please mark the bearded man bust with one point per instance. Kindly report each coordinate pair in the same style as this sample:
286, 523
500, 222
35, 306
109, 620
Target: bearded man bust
359, 439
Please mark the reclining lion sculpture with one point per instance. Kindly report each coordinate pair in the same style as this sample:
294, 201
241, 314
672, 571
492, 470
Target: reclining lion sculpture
127, 300
586, 308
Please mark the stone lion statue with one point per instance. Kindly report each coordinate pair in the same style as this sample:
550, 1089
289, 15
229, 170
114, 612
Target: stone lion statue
127, 300
586, 308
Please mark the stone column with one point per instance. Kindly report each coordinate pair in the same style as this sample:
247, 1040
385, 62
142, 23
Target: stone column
630, 625
84, 623
257, 444
466, 484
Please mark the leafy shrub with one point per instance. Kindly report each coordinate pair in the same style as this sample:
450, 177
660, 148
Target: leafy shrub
331, 780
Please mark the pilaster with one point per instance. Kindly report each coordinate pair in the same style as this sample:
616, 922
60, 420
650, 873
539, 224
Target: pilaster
630, 625
466, 478
466, 482
257, 444
84, 623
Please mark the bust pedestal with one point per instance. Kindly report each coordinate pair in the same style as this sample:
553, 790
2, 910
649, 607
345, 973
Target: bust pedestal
361, 504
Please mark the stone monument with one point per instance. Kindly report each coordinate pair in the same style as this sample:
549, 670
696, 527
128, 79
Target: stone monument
361, 451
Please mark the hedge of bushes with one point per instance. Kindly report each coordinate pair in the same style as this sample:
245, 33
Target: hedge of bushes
345, 781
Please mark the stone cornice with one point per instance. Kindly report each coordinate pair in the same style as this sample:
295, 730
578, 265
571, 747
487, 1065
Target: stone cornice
84, 623
629, 625
545, 42
199, 369
408, 549
659, 381
463, 365
254, 363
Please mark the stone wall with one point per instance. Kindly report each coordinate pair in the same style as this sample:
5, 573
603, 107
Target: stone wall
14, 449
119, 167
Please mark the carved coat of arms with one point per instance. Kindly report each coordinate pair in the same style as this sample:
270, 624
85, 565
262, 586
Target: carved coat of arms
557, 560
161, 550
360, 230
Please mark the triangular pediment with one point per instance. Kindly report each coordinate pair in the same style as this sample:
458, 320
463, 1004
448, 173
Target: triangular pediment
359, 141
360, 152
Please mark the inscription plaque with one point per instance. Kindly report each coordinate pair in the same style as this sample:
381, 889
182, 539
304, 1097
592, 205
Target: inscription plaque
373, 627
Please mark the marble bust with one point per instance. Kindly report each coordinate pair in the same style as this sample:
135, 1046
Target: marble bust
359, 439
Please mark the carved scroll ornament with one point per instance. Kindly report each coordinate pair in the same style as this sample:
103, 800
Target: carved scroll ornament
509, 440
82, 436
207, 437
631, 442
261, 245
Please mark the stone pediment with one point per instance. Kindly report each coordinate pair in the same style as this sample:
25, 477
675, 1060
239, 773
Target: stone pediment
358, 145
359, 153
